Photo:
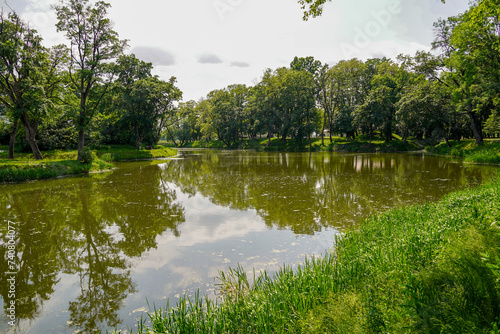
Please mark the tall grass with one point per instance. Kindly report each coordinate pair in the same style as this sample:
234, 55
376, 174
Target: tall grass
49, 169
429, 269
488, 152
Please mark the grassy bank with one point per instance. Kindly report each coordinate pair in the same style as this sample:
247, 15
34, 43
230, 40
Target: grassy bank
60, 163
338, 144
488, 152
430, 268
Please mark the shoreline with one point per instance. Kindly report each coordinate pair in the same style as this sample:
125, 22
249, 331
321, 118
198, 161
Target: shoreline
60, 164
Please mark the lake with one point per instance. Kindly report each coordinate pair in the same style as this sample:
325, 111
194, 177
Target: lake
96, 252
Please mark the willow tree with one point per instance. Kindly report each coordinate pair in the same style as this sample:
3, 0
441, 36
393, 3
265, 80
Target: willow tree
93, 44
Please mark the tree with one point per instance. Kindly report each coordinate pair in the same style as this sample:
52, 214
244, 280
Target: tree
149, 107
424, 108
312, 8
187, 129
351, 86
205, 119
305, 64
227, 112
266, 102
470, 44
325, 94
285, 100
93, 44
23, 60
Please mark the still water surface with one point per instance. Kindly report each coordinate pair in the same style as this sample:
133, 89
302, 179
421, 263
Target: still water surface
93, 251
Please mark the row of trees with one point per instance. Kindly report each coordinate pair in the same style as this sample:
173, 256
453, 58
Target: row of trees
89, 90
451, 93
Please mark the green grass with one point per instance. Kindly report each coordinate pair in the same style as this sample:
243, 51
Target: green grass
20, 172
487, 153
431, 268
124, 153
361, 144
59, 163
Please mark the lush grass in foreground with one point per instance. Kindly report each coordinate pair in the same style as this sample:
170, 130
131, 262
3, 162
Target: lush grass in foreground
430, 268
338, 144
488, 152
59, 163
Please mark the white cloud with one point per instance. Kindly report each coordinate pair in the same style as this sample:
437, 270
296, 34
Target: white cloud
154, 55
240, 64
209, 58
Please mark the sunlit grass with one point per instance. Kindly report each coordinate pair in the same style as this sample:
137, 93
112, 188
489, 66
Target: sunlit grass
488, 152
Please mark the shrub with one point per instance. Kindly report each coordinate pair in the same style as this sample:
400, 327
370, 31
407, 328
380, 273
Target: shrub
87, 156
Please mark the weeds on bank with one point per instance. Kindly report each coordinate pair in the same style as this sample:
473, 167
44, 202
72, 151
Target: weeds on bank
488, 152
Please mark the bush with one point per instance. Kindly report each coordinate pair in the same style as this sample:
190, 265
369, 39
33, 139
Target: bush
87, 156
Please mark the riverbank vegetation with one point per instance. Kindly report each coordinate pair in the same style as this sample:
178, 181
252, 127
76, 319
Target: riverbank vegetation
488, 152
63, 162
338, 144
430, 268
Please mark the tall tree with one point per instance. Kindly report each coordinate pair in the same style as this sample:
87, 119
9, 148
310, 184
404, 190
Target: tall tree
23, 60
93, 44
325, 83
351, 86
149, 107
470, 44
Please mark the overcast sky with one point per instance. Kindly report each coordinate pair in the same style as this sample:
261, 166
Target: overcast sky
210, 44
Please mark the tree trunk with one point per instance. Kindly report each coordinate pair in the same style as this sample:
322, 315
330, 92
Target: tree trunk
81, 143
406, 134
323, 131
173, 139
30, 138
30, 131
446, 140
12, 138
474, 125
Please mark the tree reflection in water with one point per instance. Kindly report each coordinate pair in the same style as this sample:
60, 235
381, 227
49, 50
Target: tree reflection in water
89, 228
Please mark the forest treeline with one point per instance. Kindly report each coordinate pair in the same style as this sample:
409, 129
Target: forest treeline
91, 92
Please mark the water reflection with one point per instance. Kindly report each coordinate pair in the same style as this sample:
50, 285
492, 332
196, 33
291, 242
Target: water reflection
104, 244
308, 192
89, 227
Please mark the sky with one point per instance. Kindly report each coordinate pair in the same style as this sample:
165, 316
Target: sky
210, 44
